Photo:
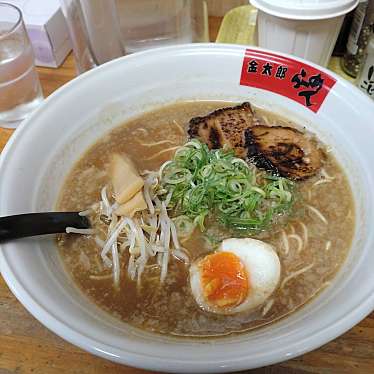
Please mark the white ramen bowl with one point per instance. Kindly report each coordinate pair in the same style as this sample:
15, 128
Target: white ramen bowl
45, 147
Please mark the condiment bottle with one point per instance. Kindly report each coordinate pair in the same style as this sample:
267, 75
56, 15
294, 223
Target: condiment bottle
361, 28
365, 79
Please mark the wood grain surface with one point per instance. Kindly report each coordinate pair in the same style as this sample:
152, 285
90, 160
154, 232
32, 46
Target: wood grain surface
26, 346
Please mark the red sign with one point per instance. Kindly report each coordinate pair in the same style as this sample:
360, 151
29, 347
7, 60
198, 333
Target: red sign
285, 76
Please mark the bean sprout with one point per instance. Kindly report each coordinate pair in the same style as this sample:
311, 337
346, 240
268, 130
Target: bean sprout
295, 274
286, 245
298, 240
318, 214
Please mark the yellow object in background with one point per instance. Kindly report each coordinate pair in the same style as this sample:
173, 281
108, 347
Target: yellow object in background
239, 27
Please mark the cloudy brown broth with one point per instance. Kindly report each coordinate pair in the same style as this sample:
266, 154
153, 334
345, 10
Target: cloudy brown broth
324, 208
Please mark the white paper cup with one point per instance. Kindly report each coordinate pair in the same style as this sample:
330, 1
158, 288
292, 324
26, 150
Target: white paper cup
304, 28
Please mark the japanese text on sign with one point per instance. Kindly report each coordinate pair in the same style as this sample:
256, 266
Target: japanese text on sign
293, 79
368, 84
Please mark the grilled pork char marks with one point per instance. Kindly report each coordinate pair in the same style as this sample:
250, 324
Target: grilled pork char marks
224, 127
284, 149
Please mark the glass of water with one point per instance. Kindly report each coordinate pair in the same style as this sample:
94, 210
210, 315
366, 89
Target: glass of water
20, 90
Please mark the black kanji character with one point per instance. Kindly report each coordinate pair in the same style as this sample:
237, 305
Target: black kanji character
266, 69
298, 79
315, 82
281, 72
368, 84
252, 66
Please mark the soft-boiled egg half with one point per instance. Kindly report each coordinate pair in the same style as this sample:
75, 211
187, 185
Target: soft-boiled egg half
238, 277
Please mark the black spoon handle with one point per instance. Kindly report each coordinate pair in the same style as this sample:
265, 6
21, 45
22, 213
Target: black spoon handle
22, 225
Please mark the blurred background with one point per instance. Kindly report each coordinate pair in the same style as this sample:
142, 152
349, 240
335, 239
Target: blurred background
70, 37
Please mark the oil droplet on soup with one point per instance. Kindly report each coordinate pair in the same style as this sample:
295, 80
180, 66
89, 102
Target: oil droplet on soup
311, 246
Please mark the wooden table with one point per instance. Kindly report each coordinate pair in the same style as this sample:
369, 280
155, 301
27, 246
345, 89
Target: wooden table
26, 346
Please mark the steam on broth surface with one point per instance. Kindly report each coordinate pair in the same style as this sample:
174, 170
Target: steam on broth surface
311, 242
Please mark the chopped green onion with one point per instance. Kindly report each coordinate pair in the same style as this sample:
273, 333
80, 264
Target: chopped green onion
206, 182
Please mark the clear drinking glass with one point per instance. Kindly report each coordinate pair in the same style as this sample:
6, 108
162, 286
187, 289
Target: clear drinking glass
102, 30
20, 90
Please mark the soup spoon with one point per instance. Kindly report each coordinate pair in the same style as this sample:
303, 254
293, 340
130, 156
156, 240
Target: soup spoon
32, 224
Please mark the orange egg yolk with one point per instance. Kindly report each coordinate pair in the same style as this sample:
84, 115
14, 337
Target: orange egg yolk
224, 279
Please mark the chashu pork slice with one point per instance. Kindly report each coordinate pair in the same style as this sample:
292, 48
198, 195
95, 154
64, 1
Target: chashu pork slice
284, 149
224, 127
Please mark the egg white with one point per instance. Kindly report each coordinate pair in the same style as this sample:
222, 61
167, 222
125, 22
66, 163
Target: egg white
263, 269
